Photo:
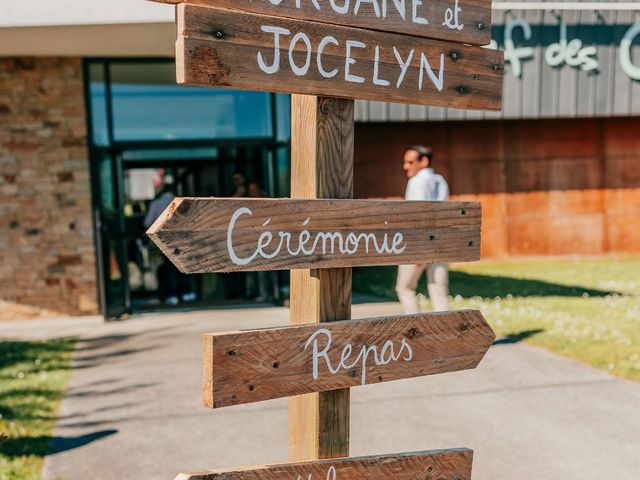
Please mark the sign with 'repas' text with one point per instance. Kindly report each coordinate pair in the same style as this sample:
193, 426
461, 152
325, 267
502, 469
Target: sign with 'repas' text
452, 464
223, 48
464, 21
201, 235
250, 366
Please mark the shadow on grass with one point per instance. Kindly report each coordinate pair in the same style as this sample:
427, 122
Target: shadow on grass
380, 282
45, 445
34, 356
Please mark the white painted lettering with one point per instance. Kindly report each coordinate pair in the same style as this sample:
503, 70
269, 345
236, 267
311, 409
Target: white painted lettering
570, 52
385, 357
404, 65
351, 61
625, 52
514, 55
400, 5
323, 43
424, 66
451, 17
275, 67
414, 15
300, 71
340, 10
308, 243
376, 70
232, 254
376, 7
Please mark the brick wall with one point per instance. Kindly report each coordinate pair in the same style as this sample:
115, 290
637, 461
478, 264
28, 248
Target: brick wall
47, 256
548, 187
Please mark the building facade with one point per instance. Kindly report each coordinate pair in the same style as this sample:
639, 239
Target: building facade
89, 112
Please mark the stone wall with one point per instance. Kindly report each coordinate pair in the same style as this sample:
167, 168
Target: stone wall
47, 256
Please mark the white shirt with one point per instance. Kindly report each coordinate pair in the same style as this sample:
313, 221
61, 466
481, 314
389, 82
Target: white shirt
427, 185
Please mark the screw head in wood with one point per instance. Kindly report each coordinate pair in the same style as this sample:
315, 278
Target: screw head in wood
481, 26
219, 34
455, 56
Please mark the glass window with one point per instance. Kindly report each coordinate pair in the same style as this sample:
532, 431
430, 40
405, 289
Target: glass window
283, 113
98, 99
148, 105
159, 154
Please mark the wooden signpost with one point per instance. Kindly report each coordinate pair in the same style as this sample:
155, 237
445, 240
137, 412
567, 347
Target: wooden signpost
454, 464
249, 366
386, 50
230, 49
439, 19
202, 235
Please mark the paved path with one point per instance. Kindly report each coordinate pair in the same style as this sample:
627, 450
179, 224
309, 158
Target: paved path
133, 408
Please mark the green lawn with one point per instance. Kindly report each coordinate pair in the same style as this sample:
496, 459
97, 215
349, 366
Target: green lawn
587, 309
33, 376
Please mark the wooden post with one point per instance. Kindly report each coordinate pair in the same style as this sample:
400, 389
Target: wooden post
322, 131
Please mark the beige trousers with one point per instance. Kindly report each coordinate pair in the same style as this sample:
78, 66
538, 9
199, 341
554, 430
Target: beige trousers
437, 285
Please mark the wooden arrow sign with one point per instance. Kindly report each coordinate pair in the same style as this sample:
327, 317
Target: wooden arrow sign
230, 49
227, 234
464, 21
250, 366
453, 464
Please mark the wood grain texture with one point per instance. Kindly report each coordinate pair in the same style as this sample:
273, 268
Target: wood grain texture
204, 234
256, 365
322, 142
221, 48
474, 16
452, 464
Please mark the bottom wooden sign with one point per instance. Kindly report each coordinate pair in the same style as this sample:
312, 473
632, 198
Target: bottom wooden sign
454, 464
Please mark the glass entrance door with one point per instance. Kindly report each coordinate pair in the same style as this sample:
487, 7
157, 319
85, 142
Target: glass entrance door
110, 240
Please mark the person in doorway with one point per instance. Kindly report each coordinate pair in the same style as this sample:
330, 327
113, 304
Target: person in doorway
174, 285
423, 184
239, 185
161, 201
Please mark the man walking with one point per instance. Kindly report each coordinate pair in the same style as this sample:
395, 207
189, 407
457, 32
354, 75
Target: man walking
423, 184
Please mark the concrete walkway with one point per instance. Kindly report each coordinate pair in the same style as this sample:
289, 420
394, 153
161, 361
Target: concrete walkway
133, 410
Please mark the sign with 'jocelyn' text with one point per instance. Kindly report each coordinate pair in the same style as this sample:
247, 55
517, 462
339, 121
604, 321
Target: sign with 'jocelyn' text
232, 49
201, 235
250, 366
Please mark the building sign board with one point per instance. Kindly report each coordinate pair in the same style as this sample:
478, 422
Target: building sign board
201, 235
436, 464
255, 365
231, 49
569, 50
464, 21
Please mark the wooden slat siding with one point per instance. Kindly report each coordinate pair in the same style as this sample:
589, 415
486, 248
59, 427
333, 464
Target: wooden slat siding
604, 81
257, 365
192, 232
474, 13
473, 80
453, 464
634, 85
620, 79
